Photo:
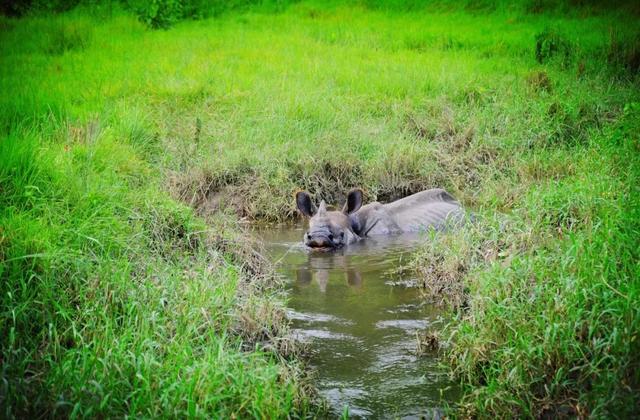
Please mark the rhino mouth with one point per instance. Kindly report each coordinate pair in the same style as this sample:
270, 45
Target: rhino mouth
314, 247
321, 243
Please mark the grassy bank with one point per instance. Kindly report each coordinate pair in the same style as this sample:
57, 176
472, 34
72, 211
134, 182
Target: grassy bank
116, 299
546, 295
127, 153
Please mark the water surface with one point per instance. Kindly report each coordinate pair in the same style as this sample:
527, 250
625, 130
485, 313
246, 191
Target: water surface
361, 325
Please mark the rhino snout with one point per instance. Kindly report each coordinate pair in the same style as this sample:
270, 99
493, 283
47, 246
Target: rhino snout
320, 241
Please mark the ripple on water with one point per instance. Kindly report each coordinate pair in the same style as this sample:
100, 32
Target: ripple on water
408, 325
408, 283
307, 335
311, 317
405, 308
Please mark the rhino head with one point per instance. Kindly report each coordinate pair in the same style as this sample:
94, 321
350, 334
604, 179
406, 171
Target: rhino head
329, 229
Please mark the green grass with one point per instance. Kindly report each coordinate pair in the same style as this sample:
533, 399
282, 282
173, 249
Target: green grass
127, 288
116, 300
546, 296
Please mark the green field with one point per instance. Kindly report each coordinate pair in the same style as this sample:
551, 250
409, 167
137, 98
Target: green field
128, 156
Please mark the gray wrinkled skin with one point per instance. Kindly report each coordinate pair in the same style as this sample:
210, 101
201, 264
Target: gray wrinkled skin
430, 209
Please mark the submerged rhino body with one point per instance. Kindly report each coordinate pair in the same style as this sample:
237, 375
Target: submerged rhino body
430, 209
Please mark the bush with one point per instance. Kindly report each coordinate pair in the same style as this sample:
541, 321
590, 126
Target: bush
21, 7
164, 13
159, 13
549, 44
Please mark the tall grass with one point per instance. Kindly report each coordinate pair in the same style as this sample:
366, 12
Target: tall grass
116, 300
546, 295
127, 288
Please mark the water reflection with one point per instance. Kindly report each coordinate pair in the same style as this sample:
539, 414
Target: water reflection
318, 270
361, 325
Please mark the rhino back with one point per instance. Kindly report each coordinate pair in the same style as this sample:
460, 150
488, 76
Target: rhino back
427, 209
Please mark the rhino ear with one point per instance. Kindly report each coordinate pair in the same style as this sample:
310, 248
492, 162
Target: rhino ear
303, 201
354, 201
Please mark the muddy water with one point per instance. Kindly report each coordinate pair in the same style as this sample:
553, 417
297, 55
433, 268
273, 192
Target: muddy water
361, 326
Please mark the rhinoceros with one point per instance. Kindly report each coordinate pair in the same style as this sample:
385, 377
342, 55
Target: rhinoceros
430, 209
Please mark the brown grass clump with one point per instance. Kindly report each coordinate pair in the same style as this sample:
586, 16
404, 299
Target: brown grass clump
260, 316
428, 342
208, 191
539, 81
441, 272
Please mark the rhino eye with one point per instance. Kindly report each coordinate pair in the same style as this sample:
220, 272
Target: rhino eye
341, 235
330, 237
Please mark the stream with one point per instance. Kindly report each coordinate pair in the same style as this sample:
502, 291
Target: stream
361, 325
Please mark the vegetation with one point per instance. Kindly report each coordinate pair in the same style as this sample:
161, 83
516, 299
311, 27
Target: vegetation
546, 296
127, 155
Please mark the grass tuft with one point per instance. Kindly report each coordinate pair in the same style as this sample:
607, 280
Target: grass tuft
549, 44
623, 53
68, 36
